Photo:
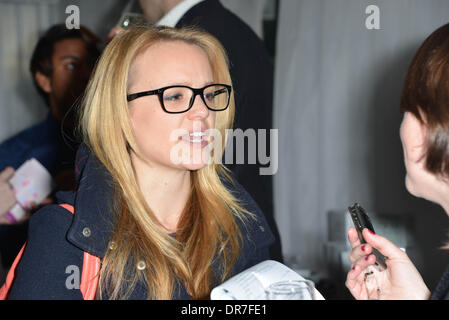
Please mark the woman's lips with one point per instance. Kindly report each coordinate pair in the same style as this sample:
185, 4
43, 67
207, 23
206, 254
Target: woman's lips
196, 138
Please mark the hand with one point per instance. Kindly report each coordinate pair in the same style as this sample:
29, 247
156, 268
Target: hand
7, 197
33, 207
401, 280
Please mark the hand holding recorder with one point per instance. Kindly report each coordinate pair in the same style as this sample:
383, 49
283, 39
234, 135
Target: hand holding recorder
376, 258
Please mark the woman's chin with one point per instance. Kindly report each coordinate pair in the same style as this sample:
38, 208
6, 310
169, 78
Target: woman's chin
410, 186
193, 168
419, 192
193, 165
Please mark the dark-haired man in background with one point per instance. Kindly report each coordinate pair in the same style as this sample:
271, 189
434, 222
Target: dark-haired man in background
60, 66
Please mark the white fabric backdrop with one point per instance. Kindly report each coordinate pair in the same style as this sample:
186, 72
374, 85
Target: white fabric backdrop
337, 91
20, 22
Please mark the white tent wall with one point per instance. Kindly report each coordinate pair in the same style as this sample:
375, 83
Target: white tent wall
20, 22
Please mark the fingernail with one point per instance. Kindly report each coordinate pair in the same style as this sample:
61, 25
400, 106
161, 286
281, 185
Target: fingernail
370, 231
363, 248
366, 258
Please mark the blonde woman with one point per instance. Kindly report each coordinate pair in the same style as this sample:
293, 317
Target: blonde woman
161, 228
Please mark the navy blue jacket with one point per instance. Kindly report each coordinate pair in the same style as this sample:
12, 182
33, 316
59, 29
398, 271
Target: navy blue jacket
57, 239
441, 291
43, 141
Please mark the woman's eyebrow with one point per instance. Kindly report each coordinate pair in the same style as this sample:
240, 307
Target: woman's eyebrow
189, 84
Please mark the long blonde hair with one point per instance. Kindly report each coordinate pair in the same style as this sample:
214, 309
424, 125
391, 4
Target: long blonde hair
208, 227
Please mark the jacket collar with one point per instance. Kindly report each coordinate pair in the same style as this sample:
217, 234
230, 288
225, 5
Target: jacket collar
92, 223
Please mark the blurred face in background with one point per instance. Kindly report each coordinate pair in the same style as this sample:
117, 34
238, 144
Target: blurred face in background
70, 74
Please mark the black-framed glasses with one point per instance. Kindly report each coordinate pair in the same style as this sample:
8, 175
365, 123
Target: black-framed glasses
179, 99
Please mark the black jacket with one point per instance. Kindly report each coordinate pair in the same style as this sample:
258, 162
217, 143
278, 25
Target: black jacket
57, 239
441, 291
252, 76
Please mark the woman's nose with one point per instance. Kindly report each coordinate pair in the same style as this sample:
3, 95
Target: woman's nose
198, 109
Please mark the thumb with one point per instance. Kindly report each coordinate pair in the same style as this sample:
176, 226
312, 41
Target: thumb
382, 244
6, 174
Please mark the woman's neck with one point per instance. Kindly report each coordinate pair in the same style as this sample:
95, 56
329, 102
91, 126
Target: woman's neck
445, 205
166, 191
437, 191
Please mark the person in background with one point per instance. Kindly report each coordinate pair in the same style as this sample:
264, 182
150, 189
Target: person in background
60, 66
425, 140
7, 197
252, 75
160, 228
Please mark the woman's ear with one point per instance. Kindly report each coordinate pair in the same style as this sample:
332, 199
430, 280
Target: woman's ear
43, 81
414, 134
